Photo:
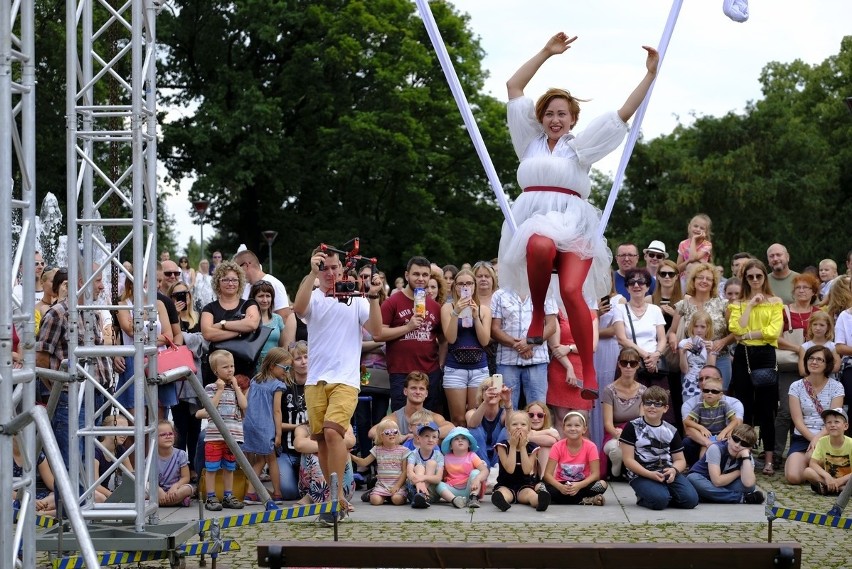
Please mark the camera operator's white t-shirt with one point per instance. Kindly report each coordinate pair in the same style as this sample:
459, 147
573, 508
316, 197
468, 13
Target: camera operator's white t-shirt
334, 339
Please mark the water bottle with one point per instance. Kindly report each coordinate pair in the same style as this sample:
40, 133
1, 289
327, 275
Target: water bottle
420, 302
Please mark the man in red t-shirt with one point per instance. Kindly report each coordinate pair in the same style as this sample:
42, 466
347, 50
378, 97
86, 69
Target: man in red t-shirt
412, 341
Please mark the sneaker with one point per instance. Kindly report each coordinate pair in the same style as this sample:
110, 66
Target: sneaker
327, 520
458, 502
820, 488
596, 500
472, 502
835, 511
543, 498
232, 503
213, 504
251, 499
365, 496
499, 500
277, 498
420, 501
755, 497
186, 501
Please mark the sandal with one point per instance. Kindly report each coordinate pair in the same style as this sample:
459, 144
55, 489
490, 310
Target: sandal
768, 469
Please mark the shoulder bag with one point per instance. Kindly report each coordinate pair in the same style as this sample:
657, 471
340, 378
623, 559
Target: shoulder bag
761, 377
787, 360
247, 346
174, 357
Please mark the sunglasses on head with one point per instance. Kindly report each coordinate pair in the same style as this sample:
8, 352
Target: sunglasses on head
640, 282
390, 432
628, 363
667, 274
713, 391
536, 415
740, 442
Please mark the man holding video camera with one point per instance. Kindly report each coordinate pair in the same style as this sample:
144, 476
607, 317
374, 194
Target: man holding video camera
334, 356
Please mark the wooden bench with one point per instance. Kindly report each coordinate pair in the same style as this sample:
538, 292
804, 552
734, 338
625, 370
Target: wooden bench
278, 554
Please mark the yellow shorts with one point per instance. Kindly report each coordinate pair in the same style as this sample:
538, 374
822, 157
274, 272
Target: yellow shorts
330, 406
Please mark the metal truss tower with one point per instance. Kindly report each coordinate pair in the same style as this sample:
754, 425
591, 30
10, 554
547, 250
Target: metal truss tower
111, 218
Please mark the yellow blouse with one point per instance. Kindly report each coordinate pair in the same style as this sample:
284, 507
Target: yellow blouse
765, 317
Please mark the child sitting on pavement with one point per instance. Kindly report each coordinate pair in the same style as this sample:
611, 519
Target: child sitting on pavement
831, 462
425, 467
518, 467
652, 451
706, 419
465, 472
574, 469
391, 459
725, 474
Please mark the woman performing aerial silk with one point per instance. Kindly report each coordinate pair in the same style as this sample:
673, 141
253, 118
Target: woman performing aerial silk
557, 225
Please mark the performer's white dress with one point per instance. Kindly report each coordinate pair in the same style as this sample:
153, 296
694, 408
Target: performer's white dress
571, 221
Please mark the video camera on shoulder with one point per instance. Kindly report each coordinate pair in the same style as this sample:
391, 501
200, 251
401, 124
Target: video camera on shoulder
348, 287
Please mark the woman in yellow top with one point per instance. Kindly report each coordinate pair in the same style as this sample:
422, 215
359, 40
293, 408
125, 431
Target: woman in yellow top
756, 322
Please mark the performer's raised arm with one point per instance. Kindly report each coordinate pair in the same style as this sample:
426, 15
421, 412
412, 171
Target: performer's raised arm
560, 43
638, 95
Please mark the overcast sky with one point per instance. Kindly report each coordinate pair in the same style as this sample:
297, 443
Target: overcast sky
712, 65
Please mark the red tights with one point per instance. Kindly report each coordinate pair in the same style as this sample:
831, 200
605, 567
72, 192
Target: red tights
542, 257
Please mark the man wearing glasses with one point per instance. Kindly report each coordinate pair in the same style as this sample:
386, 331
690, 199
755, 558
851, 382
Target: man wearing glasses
627, 257
168, 273
334, 359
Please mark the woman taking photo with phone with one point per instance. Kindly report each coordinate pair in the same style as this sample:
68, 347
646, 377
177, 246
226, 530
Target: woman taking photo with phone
467, 327
756, 322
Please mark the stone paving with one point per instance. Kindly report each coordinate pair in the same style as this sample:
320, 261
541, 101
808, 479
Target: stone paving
620, 520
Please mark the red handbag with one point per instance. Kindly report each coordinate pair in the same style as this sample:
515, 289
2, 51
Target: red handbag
174, 357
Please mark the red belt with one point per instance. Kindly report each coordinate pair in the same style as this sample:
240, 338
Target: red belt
551, 189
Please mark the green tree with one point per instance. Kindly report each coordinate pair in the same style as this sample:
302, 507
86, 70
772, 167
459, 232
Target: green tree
328, 119
778, 172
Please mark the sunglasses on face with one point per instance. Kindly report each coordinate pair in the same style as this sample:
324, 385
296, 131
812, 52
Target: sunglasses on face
282, 366
536, 415
171, 273
390, 432
667, 274
713, 391
628, 363
753, 277
656, 255
740, 442
657, 404
634, 282
39, 263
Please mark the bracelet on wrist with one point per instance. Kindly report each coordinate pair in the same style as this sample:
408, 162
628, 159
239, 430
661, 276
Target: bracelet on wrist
373, 296
454, 313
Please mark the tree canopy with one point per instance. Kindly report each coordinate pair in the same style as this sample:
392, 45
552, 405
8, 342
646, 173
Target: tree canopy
779, 172
325, 120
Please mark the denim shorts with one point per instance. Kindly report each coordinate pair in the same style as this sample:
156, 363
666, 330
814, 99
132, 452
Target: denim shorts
464, 378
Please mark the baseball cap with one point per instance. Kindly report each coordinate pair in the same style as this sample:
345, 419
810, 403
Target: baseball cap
431, 425
836, 411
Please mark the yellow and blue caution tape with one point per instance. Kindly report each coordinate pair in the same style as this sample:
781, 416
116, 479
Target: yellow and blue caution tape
124, 557
40, 521
270, 516
811, 518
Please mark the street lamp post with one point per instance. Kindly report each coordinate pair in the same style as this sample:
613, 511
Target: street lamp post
270, 236
201, 208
